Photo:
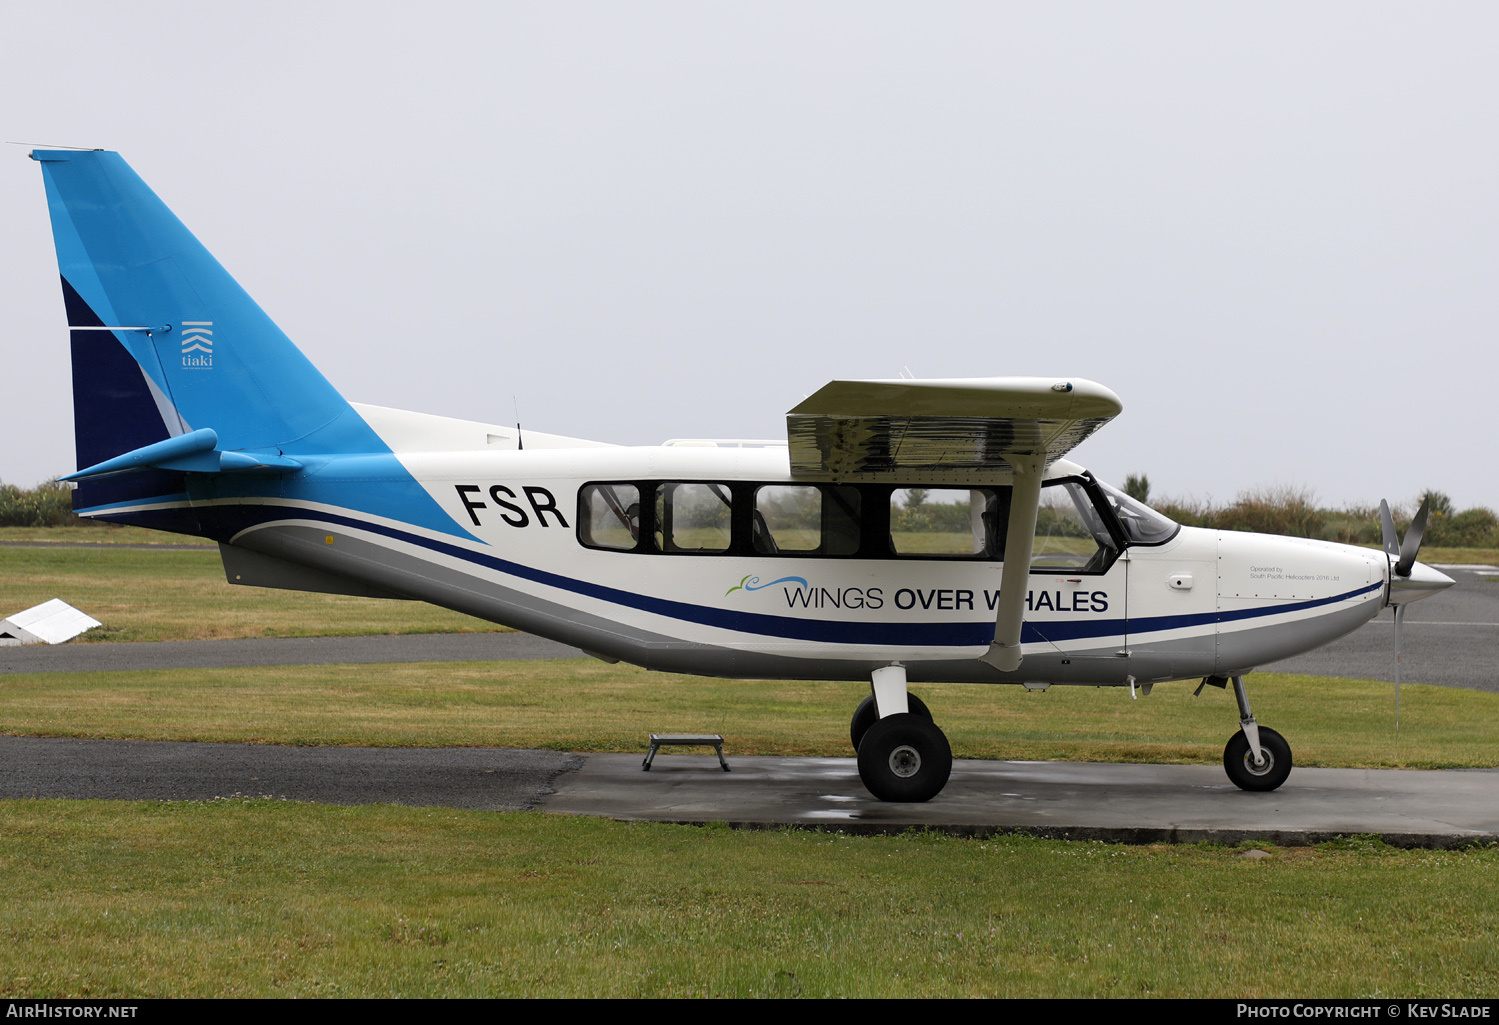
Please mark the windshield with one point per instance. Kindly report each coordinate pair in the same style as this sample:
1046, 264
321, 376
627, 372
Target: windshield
1142, 524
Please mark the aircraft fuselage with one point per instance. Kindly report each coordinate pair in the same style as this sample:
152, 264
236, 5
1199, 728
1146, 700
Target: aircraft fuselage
1203, 602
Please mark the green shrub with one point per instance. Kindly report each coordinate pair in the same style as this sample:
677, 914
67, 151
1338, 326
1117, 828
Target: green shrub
1293, 512
49, 504
1471, 528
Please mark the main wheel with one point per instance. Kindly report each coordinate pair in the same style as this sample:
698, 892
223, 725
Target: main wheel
904, 758
865, 716
1238, 761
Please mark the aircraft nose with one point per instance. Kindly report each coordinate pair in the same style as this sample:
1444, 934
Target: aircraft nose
1423, 582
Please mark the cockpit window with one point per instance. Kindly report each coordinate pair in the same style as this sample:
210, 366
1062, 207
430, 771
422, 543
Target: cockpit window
1070, 535
1142, 524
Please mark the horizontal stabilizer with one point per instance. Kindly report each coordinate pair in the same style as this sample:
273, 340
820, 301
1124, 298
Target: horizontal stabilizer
940, 429
194, 452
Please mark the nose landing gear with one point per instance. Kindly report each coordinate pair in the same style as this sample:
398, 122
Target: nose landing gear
1255, 758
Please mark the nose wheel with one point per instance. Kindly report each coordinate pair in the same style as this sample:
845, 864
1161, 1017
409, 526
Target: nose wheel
1255, 758
1239, 763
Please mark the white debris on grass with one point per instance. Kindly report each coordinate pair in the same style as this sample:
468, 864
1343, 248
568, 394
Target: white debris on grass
51, 622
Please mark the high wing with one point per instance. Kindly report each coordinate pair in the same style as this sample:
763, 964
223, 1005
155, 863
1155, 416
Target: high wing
982, 430
942, 430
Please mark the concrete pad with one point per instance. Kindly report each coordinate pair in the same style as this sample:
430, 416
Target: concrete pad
1120, 803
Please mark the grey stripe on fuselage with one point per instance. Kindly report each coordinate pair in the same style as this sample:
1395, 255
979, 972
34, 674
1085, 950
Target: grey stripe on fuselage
1240, 651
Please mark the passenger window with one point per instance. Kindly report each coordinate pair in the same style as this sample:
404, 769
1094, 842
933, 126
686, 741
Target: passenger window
806, 520
949, 522
693, 518
788, 519
609, 516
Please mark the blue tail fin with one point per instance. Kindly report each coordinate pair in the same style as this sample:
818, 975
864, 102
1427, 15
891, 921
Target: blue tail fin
210, 350
166, 343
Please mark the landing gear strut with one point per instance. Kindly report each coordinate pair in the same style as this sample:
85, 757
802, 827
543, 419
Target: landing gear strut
903, 756
1256, 758
866, 715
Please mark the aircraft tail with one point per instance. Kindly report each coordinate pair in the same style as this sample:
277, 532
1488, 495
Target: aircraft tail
176, 370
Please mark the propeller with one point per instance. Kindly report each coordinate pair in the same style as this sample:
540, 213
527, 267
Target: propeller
1412, 543
1406, 585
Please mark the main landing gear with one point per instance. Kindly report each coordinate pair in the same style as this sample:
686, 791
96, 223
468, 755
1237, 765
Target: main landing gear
1255, 758
903, 756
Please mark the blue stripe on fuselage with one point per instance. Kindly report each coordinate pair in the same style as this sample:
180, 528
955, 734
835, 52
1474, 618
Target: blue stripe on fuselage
946, 635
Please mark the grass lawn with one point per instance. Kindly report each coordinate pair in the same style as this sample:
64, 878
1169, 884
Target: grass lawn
1461, 556
172, 595
584, 705
270, 898
99, 533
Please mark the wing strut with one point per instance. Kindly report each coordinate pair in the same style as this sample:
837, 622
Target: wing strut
1020, 537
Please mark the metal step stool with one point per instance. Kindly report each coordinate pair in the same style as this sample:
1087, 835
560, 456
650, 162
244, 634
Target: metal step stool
660, 740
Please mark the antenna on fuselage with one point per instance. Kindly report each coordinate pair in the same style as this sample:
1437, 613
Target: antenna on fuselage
520, 444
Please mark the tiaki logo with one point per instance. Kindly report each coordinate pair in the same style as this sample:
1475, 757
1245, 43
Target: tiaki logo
197, 344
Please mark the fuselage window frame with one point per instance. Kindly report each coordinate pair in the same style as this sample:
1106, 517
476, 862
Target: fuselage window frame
835, 509
873, 515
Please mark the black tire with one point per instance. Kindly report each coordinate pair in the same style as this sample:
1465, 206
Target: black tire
1238, 761
905, 758
865, 716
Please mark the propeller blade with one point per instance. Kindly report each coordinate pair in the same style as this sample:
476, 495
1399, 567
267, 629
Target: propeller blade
1412, 543
1387, 528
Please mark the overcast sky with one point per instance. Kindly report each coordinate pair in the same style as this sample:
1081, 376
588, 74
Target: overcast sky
1271, 228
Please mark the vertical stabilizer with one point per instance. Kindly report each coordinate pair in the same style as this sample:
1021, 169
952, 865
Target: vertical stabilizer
165, 342
213, 355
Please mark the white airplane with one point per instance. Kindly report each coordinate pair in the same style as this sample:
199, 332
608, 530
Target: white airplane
907, 530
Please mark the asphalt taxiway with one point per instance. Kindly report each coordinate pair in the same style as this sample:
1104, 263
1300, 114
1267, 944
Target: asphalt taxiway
1112, 802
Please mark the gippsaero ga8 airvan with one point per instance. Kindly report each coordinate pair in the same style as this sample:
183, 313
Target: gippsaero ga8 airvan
905, 531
